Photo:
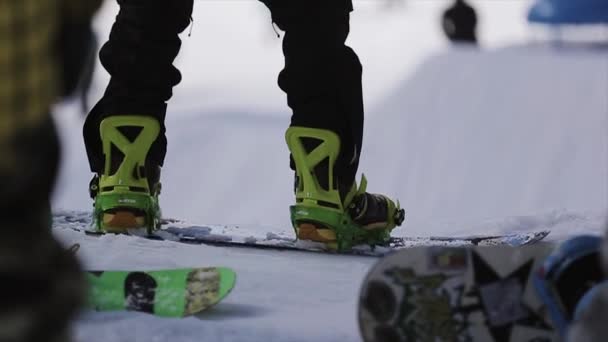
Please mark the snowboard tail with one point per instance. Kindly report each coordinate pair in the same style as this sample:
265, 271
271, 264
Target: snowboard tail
167, 293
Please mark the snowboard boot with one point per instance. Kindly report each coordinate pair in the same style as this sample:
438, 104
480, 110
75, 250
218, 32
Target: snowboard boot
338, 215
126, 191
565, 283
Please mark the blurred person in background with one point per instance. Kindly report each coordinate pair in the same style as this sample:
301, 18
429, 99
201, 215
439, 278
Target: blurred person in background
125, 132
44, 45
459, 23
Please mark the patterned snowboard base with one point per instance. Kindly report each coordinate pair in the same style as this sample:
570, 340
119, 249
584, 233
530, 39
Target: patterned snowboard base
168, 293
455, 294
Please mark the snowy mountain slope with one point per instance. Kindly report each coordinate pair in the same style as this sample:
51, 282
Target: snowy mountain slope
470, 141
471, 136
528, 152
478, 135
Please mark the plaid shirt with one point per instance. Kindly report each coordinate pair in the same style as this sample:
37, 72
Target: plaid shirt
28, 64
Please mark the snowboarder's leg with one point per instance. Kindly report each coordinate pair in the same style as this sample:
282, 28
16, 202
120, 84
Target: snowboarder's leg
322, 79
125, 133
322, 76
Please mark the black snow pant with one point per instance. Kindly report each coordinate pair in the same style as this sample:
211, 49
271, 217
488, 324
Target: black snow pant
321, 77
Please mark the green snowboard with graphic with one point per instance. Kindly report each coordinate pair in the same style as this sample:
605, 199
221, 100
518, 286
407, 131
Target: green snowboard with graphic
167, 293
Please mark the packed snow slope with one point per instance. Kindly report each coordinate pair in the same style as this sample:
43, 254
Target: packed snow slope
478, 135
470, 136
472, 142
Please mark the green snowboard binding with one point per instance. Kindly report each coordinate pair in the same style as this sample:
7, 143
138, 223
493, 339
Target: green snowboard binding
125, 195
324, 213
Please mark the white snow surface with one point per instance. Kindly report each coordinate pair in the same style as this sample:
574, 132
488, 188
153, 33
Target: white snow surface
470, 141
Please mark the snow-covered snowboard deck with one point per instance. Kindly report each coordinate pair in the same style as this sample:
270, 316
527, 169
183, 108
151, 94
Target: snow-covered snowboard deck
168, 293
455, 294
237, 236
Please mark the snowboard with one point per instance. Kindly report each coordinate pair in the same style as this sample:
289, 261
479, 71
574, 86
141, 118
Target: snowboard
247, 237
166, 293
456, 294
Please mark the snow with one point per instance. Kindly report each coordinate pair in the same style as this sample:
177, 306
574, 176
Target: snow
278, 296
507, 139
479, 135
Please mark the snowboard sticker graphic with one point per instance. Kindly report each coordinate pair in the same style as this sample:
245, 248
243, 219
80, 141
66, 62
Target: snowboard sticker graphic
455, 294
167, 293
